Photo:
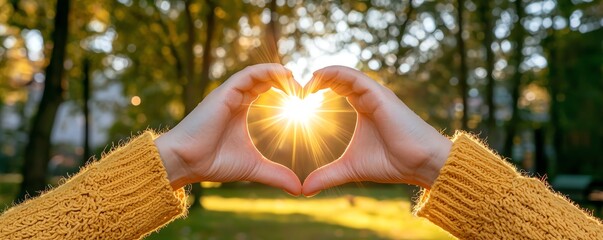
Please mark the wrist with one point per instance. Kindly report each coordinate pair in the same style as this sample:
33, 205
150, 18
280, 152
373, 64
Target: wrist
175, 168
437, 158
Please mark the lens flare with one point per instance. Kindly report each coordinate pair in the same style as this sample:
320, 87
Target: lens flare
301, 133
299, 110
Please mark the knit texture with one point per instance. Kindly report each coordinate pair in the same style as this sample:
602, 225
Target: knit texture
126, 195
480, 196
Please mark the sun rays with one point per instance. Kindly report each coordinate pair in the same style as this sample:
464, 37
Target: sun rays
301, 111
302, 134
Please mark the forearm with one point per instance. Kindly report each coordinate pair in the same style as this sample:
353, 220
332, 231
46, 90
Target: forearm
480, 196
123, 196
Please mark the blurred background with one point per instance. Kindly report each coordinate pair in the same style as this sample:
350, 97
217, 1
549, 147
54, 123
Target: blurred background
80, 77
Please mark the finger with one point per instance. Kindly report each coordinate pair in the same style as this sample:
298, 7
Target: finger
316, 83
260, 88
287, 84
343, 80
279, 76
275, 74
330, 175
276, 175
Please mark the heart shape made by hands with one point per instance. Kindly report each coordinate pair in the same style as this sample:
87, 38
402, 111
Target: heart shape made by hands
301, 134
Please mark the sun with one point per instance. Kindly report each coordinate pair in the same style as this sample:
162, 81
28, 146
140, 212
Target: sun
301, 133
301, 111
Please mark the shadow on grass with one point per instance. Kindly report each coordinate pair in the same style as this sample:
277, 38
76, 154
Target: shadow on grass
373, 190
228, 225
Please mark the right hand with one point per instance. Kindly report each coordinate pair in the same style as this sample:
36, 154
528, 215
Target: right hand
391, 144
212, 143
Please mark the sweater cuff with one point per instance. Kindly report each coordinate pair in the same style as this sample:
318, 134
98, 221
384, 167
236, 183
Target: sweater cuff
126, 195
134, 188
472, 178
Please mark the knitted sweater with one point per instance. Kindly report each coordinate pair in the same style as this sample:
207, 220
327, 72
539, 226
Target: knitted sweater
127, 195
479, 196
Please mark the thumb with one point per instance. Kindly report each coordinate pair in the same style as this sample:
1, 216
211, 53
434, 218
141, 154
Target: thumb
276, 175
330, 175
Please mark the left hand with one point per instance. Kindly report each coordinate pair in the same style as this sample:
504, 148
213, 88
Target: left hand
212, 143
391, 144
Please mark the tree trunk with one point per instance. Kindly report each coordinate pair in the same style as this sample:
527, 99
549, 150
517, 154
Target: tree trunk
402, 29
539, 153
485, 13
272, 34
195, 88
463, 86
37, 151
207, 60
556, 77
86, 110
516, 82
192, 92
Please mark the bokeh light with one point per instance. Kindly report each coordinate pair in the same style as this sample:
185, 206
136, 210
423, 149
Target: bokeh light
136, 100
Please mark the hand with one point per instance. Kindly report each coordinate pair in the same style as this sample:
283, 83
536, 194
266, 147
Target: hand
212, 143
391, 144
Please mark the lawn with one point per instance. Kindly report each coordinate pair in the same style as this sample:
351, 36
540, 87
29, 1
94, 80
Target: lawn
342, 213
252, 212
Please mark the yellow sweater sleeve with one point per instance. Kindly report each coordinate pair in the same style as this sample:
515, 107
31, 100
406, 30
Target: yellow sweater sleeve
125, 195
480, 196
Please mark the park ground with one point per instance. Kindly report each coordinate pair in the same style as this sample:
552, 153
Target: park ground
252, 212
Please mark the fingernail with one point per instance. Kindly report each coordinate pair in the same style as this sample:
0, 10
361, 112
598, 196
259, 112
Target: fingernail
312, 194
290, 193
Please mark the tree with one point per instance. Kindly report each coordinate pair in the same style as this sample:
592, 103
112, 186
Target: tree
37, 153
272, 33
462, 75
195, 88
485, 15
210, 22
575, 87
519, 36
86, 109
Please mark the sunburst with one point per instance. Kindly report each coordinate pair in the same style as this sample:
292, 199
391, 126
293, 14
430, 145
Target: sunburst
301, 133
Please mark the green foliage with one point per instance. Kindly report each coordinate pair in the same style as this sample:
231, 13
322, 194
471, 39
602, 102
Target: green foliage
575, 79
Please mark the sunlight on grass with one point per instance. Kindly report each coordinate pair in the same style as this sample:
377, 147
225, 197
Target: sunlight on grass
388, 218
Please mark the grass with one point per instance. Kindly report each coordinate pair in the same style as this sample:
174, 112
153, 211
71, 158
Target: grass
8, 191
251, 212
